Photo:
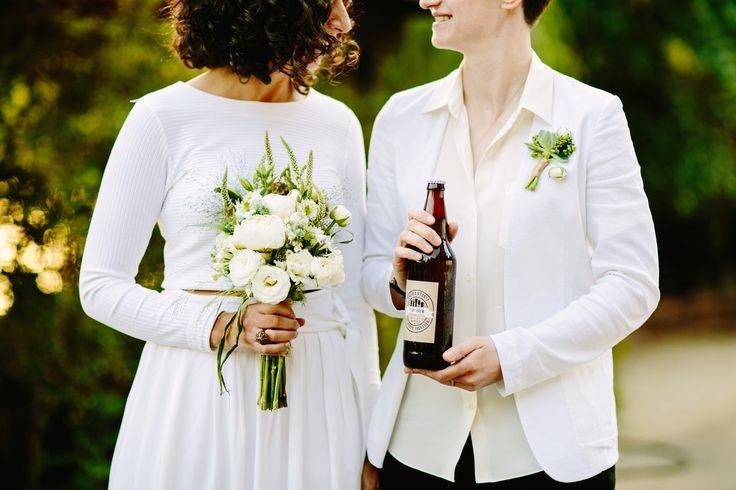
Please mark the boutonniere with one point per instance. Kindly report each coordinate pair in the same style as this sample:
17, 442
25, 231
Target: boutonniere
548, 147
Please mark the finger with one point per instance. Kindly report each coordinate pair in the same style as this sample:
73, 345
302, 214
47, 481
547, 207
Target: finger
454, 354
275, 322
452, 230
272, 349
407, 254
279, 336
421, 216
281, 309
425, 232
410, 238
447, 374
465, 387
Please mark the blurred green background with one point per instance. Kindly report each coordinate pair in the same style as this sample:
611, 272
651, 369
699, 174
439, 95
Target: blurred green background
68, 69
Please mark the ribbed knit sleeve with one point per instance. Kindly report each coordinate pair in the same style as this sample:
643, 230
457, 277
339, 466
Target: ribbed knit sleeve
133, 187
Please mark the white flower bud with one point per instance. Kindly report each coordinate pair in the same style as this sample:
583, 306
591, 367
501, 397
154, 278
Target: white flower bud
557, 172
341, 215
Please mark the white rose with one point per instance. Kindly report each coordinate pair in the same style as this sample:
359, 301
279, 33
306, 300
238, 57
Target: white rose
328, 271
298, 264
271, 285
261, 233
281, 206
341, 215
243, 266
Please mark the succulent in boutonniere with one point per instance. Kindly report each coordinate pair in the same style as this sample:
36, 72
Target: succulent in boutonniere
548, 147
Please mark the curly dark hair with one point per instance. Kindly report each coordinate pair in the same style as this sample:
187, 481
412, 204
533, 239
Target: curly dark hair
261, 37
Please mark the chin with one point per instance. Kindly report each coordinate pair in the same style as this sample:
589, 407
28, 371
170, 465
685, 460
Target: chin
441, 42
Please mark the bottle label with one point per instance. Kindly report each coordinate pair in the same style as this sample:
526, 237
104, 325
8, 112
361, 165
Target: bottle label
421, 311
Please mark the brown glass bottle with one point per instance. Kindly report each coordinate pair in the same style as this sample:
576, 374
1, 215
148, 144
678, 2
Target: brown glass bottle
430, 293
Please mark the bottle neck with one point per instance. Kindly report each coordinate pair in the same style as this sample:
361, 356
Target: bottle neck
435, 205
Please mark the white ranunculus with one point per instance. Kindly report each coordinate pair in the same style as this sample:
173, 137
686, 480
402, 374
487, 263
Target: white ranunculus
328, 271
281, 206
298, 264
261, 233
557, 172
341, 215
270, 285
243, 266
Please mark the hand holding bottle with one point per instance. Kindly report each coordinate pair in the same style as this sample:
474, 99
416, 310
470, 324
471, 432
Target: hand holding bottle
417, 235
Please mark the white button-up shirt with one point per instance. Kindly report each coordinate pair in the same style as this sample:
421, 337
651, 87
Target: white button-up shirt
430, 433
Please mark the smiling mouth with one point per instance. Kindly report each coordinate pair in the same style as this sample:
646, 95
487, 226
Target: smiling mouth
439, 18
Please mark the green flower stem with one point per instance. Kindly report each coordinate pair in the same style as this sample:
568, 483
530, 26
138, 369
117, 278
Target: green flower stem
329, 228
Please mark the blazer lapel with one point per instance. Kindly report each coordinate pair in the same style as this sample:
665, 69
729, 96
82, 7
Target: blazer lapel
420, 168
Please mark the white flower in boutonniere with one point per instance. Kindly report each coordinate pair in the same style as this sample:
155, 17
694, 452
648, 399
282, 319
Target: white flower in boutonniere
547, 147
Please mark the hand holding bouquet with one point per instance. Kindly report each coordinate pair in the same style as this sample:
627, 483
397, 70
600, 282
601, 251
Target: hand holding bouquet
277, 241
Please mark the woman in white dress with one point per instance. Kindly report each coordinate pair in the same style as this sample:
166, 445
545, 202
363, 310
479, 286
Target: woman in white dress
177, 431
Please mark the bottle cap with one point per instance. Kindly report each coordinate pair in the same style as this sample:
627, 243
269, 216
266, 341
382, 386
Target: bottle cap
435, 184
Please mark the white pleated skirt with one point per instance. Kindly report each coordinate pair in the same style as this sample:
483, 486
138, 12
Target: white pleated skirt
179, 433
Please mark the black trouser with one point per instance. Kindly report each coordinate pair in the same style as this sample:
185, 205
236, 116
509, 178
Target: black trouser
395, 475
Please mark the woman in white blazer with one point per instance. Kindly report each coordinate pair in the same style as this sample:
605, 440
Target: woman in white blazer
580, 266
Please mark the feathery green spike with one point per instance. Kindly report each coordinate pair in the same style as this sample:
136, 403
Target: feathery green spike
310, 166
269, 151
295, 171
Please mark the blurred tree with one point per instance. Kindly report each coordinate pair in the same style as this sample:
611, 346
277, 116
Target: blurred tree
67, 71
674, 66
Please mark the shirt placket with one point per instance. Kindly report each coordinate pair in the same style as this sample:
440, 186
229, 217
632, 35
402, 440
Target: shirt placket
469, 275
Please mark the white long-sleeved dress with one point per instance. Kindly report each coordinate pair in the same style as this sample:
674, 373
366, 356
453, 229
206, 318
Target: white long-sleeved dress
177, 430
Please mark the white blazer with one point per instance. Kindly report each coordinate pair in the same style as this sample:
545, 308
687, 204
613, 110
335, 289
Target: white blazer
580, 269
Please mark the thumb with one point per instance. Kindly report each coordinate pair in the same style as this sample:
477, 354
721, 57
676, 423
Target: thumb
459, 351
452, 229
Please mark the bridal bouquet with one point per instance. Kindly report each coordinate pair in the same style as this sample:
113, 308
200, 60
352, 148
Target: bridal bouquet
277, 241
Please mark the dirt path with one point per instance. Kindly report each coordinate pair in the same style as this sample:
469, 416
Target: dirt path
677, 414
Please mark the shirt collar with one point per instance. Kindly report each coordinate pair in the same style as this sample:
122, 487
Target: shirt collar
536, 96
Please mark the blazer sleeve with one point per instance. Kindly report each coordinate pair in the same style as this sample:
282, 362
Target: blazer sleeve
385, 221
128, 204
624, 261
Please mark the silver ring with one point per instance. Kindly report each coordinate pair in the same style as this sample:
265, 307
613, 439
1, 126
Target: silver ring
262, 337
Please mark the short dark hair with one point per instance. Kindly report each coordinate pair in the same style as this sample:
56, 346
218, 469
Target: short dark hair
258, 38
533, 10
